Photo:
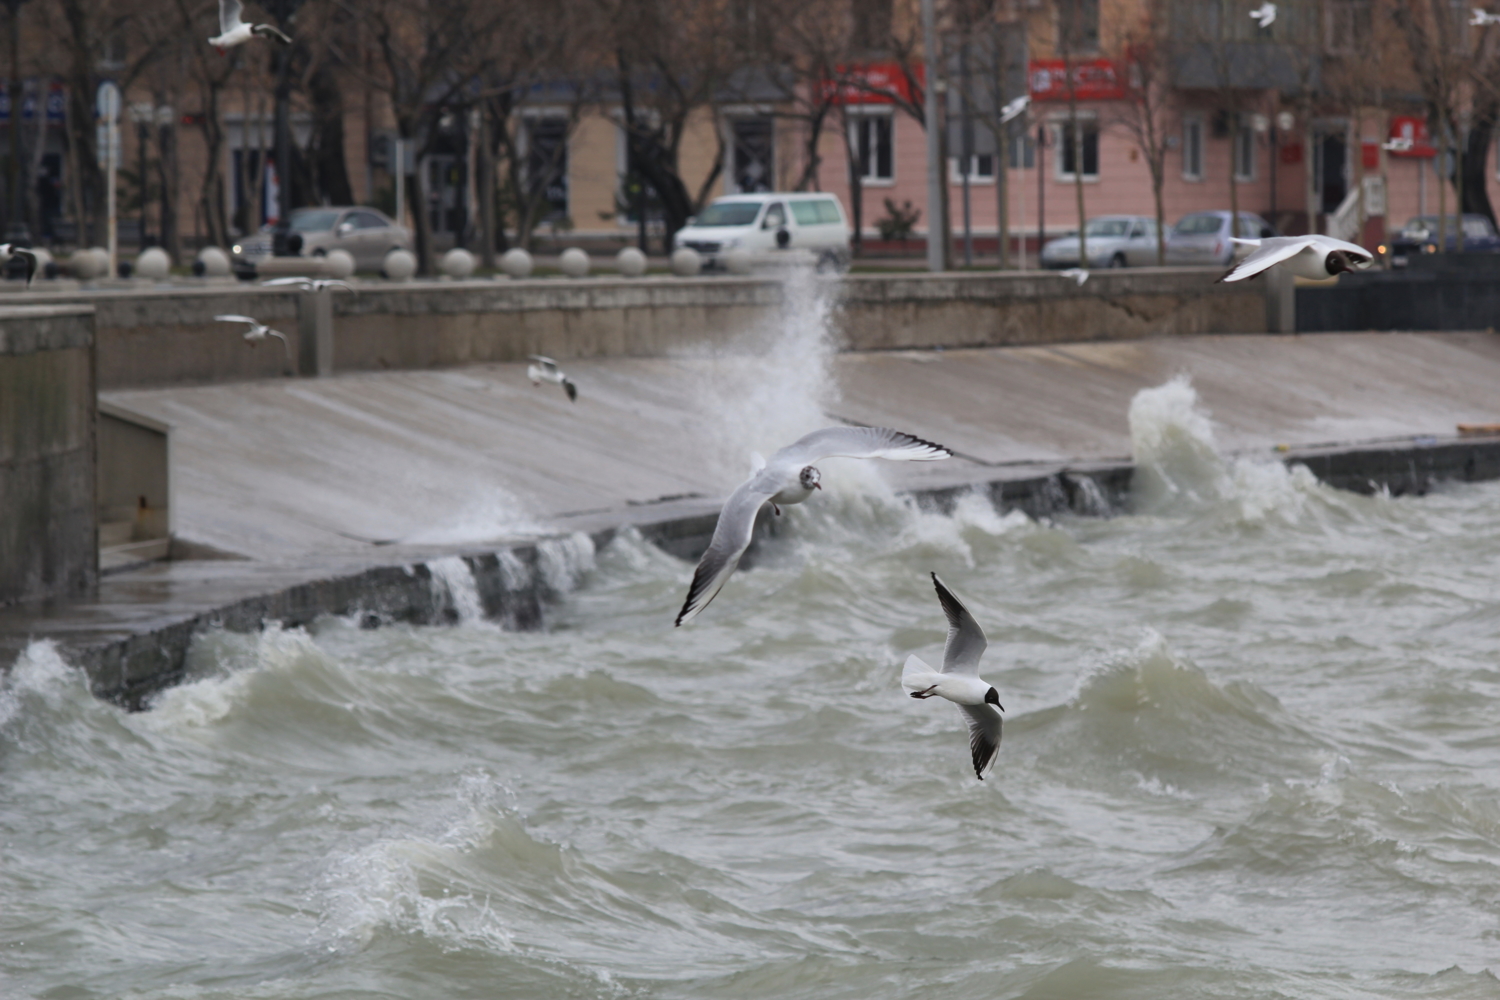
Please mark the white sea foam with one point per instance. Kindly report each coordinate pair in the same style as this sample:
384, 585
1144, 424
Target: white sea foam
453, 584
39, 672
564, 561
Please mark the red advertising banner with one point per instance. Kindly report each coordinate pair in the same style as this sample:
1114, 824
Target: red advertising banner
1093, 80
872, 83
1409, 137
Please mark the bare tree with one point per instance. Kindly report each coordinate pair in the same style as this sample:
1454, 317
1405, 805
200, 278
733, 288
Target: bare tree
1148, 114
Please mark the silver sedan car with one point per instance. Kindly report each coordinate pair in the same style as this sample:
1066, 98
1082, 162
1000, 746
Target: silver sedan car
1113, 241
1203, 238
367, 233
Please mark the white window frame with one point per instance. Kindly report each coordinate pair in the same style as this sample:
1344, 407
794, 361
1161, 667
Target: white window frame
856, 116
1058, 126
1192, 147
1244, 141
955, 176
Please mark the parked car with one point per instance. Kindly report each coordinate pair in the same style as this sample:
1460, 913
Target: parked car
774, 220
1420, 235
367, 233
1113, 241
1203, 238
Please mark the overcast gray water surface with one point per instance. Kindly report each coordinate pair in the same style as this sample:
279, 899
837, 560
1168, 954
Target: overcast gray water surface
1250, 750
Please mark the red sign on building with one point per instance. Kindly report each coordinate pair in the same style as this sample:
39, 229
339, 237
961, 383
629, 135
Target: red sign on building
873, 83
1093, 80
1409, 137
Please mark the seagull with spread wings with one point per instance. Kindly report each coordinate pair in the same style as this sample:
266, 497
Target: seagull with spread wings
233, 29
259, 331
959, 680
311, 284
1314, 256
11, 250
790, 477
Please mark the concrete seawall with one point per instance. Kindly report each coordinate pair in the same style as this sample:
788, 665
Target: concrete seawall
166, 335
48, 521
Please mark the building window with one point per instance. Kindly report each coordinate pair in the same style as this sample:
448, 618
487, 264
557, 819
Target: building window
871, 135
1071, 142
1192, 149
1348, 26
1244, 153
752, 154
981, 169
547, 164
1077, 26
1022, 152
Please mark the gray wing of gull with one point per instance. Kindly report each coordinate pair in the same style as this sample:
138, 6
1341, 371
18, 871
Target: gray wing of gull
304, 282
546, 363
966, 642
1268, 253
858, 442
984, 736
229, 16
731, 537
273, 31
238, 319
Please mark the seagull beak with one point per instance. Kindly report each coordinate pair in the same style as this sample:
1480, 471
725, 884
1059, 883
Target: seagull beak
817, 486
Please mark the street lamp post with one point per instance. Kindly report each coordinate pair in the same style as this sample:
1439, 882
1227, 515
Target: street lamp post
287, 193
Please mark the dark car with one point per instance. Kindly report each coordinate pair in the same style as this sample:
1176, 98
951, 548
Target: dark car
1420, 235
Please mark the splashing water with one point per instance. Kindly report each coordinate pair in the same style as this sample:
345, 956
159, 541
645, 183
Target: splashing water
453, 586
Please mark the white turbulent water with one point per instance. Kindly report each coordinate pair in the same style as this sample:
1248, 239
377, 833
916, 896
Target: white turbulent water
1250, 752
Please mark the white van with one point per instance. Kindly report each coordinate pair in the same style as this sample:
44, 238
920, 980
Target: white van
759, 223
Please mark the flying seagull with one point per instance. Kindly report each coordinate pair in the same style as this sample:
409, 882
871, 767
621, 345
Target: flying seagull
959, 680
259, 331
11, 250
234, 31
1483, 18
545, 370
312, 284
790, 477
1265, 14
1013, 108
1078, 274
1314, 256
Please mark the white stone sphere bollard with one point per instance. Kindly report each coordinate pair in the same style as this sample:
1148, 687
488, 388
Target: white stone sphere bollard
215, 262
86, 266
340, 263
399, 265
516, 262
686, 262
457, 263
101, 262
153, 264
631, 262
739, 261
574, 262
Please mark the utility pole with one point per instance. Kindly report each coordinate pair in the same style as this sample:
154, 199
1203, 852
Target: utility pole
16, 230
937, 215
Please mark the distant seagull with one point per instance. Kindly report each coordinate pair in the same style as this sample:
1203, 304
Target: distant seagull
1317, 257
259, 331
234, 31
1483, 18
1014, 108
545, 370
1265, 14
790, 477
959, 680
1400, 144
312, 284
11, 250
1078, 274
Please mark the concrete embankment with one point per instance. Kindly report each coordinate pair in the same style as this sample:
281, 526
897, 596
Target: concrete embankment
166, 335
340, 495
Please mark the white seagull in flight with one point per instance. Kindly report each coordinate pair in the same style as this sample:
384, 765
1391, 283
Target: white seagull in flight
1314, 256
312, 284
259, 331
234, 31
790, 477
543, 369
1265, 14
959, 680
11, 250
1483, 18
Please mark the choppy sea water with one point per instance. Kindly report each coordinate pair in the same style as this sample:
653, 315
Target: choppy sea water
1250, 750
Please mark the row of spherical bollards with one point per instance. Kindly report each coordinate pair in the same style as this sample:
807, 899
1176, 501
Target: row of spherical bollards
629, 262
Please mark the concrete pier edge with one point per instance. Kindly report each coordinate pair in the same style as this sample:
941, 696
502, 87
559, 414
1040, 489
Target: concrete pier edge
513, 588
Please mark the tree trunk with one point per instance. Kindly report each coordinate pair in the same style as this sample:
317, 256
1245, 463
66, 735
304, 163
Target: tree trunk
1476, 162
484, 186
810, 178
329, 170
416, 202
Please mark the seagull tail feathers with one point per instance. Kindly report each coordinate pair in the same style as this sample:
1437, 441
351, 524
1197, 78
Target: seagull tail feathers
916, 675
